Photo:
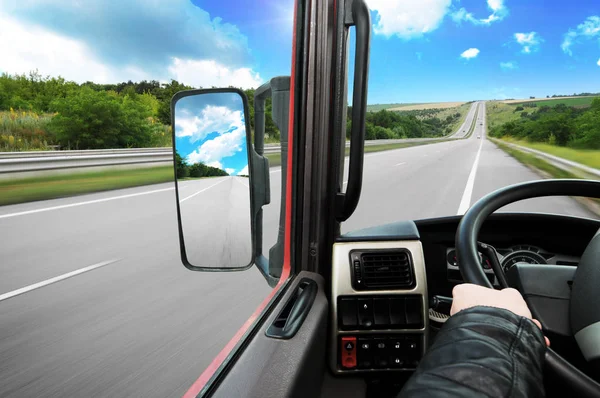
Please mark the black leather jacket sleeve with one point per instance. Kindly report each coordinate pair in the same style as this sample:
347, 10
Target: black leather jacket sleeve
482, 351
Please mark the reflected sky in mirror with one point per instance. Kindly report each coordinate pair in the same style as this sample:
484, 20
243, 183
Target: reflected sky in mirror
210, 128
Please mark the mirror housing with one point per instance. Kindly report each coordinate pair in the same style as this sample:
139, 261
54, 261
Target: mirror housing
258, 177
278, 89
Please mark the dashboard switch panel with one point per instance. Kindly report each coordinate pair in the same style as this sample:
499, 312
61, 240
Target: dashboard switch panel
383, 352
380, 324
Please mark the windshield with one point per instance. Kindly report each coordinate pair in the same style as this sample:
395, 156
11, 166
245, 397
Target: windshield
478, 95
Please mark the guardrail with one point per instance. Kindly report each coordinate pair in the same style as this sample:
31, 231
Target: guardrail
18, 164
561, 163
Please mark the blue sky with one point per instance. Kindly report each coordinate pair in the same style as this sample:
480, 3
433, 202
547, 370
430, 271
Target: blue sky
210, 128
512, 48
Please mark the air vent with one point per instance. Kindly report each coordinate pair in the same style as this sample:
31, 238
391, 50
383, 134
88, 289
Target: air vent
390, 269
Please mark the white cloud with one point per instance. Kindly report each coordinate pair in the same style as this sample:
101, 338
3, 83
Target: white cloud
243, 171
598, 62
212, 119
470, 53
215, 163
213, 151
508, 65
499, 12
208, 73
530, 42
25, 48
408, 19
230, 171
589, 29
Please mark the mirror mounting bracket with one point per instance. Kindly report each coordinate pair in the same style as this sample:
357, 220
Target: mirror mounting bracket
278, 89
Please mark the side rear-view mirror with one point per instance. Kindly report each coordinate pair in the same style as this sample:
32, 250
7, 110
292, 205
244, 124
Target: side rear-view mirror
220, 183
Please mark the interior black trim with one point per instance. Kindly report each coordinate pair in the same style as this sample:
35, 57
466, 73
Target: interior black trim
402, 230
580, 385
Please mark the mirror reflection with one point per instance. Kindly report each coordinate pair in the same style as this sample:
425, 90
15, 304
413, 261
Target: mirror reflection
212, 179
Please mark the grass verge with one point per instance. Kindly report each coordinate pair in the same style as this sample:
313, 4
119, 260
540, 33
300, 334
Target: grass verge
58, 186
548, 170
588, 157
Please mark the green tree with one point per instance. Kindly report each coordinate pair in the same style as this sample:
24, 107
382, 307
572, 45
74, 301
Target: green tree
92, 119
181, 166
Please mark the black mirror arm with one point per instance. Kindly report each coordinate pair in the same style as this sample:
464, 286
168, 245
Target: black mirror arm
260, 182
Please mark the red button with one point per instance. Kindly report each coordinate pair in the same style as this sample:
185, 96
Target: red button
348, 352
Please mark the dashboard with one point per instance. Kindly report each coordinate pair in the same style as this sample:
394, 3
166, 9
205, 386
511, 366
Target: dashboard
384, 277
509, 256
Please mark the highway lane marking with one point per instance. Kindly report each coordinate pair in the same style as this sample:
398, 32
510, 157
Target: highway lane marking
400, 164
465, 202
240, 181
202, 190
89, 202
59, 278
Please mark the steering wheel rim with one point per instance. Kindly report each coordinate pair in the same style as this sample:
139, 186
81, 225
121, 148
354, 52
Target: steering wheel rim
472, 272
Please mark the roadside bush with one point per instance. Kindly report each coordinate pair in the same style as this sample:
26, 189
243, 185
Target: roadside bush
559, 125
97, 119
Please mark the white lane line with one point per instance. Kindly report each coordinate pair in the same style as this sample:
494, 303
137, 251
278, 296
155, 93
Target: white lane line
59, 278
89, 202
465, 202
202, 190
240, 181
400, 164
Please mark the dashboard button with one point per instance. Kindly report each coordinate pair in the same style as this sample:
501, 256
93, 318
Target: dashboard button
348, 352
381, 352
365, 313
381, 311
414, 313
348, 313
397, 312
364, 353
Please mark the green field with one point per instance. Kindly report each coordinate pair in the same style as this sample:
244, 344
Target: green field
499, 113
50, 187
575, 101
588, 157
378, 107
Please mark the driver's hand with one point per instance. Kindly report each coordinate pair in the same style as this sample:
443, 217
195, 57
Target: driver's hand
468, 295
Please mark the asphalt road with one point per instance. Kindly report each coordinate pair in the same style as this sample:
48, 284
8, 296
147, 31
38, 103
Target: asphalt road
140, 324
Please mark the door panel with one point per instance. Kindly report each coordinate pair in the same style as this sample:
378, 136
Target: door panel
270, 367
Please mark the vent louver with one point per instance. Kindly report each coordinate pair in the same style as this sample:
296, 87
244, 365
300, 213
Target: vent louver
383, 270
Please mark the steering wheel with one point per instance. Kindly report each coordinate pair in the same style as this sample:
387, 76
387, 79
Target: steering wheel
583, 310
